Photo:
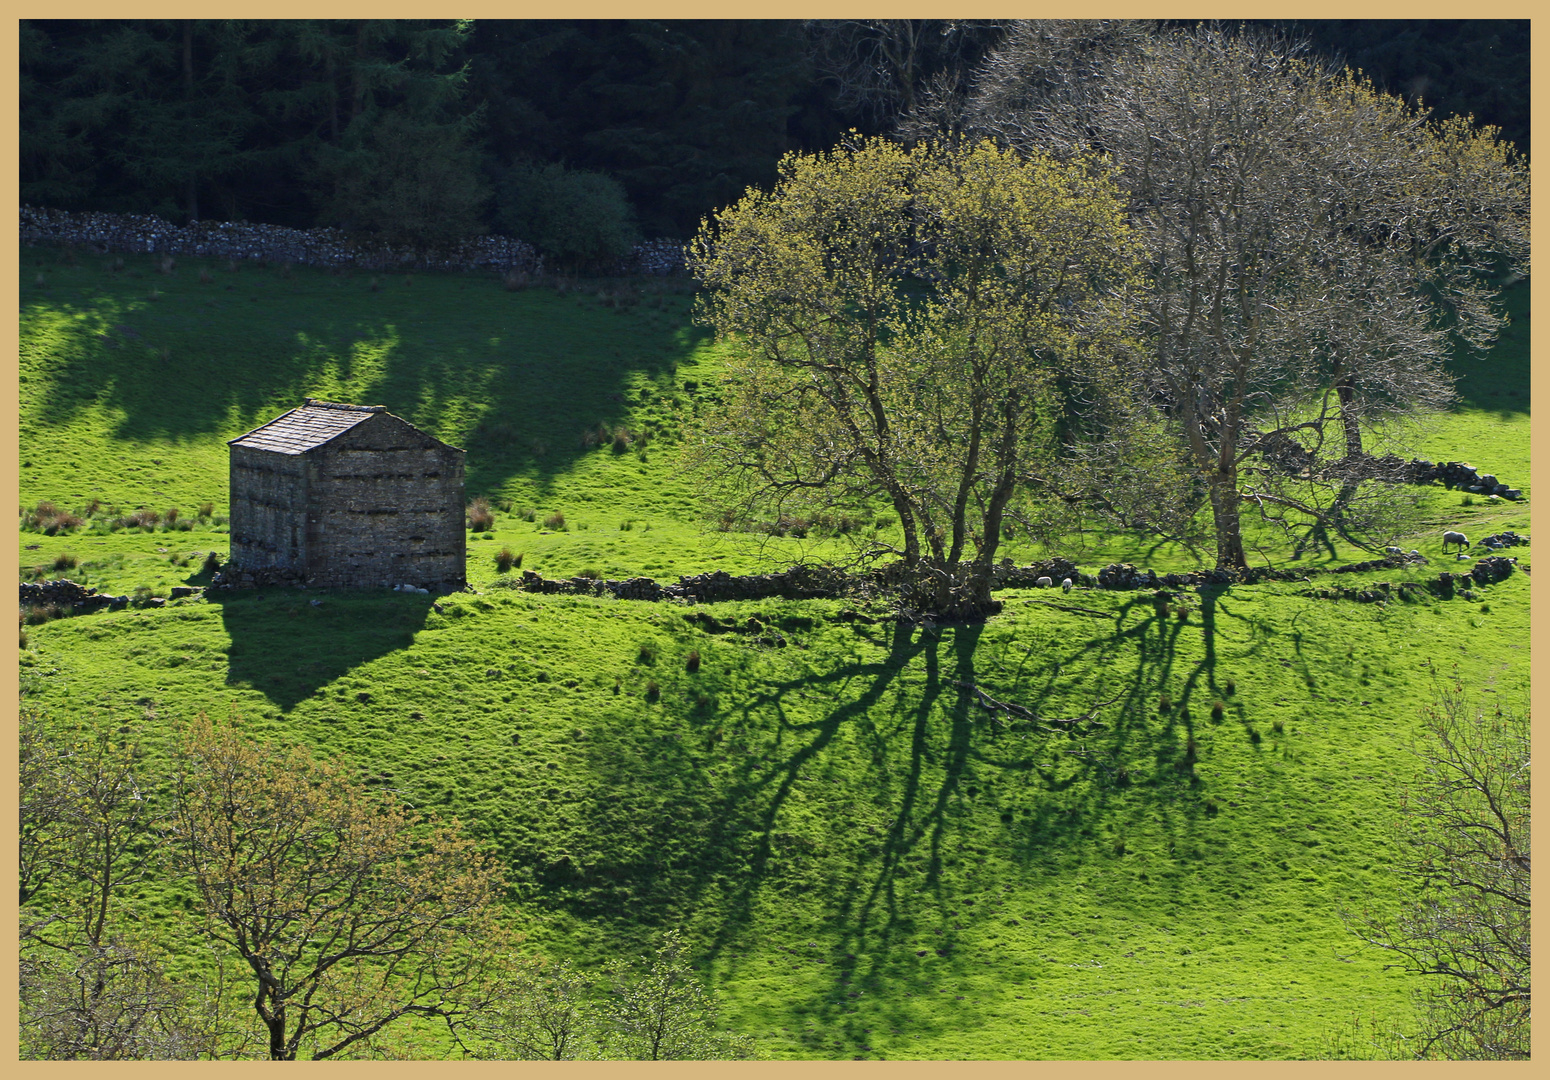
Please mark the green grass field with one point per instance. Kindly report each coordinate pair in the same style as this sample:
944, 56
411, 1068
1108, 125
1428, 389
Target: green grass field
868, 864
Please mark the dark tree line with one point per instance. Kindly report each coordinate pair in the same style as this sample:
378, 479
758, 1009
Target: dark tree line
353, 122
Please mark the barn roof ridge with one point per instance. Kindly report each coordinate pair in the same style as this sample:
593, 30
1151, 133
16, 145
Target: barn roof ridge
312, 424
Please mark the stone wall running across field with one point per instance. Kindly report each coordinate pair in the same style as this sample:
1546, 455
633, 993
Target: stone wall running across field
144, 234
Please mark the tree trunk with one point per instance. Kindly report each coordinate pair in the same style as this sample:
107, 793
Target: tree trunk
1224, 512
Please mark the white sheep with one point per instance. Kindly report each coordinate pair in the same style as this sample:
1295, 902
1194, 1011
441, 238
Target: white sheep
1065, 586
1044, 583
1451, 537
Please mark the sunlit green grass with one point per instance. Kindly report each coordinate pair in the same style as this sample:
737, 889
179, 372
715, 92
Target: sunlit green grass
867, 863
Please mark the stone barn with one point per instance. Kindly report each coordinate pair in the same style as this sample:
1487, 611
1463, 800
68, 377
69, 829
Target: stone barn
348, 496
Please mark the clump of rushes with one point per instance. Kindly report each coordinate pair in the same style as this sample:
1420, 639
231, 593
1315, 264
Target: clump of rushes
1232, 688
621, 440
480, 517
1217, 710
1183, 614
648, 653
653, 691
172, 516
504, 559
1165, 703
692, 661
555, 522
206, 509
618, 685
1277, 726
65, 561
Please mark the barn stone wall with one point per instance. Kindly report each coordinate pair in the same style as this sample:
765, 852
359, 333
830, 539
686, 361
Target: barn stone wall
268, 509
386, 508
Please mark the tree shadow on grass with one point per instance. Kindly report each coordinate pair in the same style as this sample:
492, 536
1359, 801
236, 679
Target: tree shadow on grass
677, 835
286, 647
515, 379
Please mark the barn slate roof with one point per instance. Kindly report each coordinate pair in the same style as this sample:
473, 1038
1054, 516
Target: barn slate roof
307, 427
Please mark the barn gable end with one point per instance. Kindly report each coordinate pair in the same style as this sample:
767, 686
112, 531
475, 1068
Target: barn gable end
347, 496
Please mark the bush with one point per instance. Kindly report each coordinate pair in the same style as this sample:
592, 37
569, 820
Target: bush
580, 220
480, 517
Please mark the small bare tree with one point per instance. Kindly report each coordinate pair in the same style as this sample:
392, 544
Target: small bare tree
1465, 823
659, 1011
351, 912
544, 1013
89, 988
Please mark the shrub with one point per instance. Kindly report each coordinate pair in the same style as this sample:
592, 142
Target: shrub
480, 517
692, 661
555, 522
504, 560
653, 691
579, 219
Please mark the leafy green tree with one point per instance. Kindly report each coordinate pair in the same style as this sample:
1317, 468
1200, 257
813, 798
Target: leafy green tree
659, 1011
1315, 249
350, 913
579, 219
912, 324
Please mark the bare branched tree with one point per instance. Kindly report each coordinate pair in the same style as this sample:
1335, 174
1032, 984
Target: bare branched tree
1465, 824
1316, 247
544, 1013
88, 991
659, 1011
879, 67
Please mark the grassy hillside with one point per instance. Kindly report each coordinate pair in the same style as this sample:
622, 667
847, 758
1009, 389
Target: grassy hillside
869, 864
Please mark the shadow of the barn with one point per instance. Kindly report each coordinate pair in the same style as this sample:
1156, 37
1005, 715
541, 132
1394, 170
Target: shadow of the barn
288, 644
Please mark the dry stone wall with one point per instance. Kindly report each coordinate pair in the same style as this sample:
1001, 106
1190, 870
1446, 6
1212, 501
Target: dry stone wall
143, 233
